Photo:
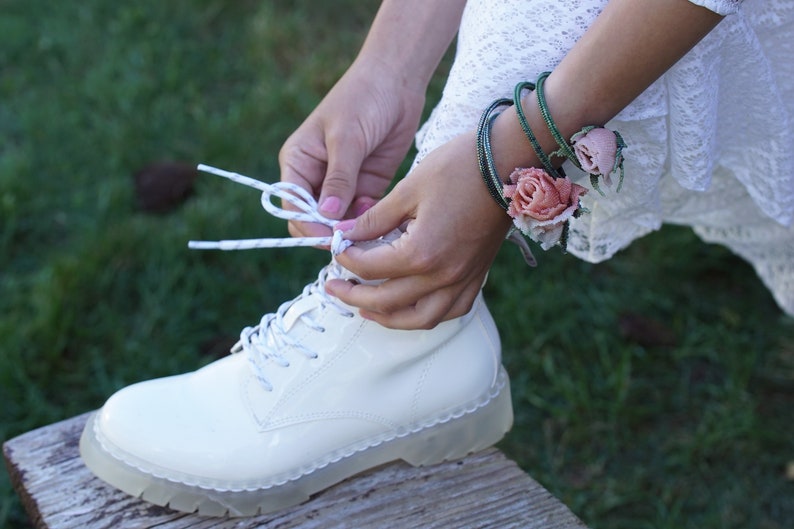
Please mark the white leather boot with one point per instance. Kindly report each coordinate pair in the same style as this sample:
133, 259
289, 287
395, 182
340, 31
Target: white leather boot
310, 396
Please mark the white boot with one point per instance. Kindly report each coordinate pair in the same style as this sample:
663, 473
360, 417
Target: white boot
310, 396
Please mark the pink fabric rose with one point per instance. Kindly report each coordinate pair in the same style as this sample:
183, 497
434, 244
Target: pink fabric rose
540, 204
597, 151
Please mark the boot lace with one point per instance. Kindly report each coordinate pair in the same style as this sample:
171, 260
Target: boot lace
268, 342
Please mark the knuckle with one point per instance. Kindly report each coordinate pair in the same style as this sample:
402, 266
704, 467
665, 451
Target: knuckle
337, 179
430, 324
384, 306
293, 230
338, 134
289, 153
444, 272
365, 275
425, 261
366, 222
455, 272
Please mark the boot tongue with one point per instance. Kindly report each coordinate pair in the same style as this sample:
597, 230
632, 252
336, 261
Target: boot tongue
304, 304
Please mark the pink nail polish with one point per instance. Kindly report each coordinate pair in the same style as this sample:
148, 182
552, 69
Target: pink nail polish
345, 225
360, 209
330, 206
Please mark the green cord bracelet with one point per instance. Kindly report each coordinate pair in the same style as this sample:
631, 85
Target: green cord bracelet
565, 149
485, 158
592, 145
522, 120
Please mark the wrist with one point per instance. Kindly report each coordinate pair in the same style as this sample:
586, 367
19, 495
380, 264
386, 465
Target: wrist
381, 70
491, 217
511, 148
409, 38
539, 196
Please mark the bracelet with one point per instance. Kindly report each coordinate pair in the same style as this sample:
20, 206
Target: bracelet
565, 149
542, 202
522, 120
485, 159
595, 150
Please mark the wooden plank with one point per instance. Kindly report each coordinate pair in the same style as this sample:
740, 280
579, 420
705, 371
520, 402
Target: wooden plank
481, 491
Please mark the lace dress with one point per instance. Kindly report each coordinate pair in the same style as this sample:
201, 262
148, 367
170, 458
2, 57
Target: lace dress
711, 143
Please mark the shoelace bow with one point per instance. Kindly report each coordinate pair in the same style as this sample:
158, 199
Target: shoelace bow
295, 195
269, 340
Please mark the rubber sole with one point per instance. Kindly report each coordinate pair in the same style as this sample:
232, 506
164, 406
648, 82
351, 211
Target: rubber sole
477, 426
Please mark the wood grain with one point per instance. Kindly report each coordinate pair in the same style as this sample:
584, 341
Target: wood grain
485, 490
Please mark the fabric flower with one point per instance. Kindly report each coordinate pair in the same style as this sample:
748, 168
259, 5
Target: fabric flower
541, 205
597, 151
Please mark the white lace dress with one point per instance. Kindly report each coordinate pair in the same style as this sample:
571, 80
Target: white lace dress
711, 144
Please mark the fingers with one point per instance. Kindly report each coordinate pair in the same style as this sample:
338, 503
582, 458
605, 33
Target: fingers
329, 165
345, 156
384, 299
378, 218
423, 287
302, 162
432, 308
390, 260
360, 205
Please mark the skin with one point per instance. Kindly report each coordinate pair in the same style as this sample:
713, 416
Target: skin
453, 228
348, 150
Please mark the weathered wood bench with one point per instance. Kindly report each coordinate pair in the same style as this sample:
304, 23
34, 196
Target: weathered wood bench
483, 490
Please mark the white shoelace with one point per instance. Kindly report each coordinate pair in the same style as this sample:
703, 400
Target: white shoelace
295, 195
269, 340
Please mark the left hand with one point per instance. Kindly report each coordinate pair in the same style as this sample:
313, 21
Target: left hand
434, 271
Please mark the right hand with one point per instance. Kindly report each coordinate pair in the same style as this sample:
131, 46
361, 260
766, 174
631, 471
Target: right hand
452, 230
349, 148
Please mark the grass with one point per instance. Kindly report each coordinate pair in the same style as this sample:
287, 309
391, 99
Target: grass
654, 390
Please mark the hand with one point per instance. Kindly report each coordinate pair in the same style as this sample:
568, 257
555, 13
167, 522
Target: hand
348, 150
434, 271
453, 228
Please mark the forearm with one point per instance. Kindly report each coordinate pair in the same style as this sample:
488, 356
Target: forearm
630, 45
409, 37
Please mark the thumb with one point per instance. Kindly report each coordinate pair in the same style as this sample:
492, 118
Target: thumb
339, 185
383, 217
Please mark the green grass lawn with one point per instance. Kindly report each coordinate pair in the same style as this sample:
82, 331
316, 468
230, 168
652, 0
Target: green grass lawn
653, 391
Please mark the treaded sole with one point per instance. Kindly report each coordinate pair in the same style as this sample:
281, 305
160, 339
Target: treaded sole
449, 440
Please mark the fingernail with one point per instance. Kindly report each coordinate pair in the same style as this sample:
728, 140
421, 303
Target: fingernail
345, 225
361, 208
330, 206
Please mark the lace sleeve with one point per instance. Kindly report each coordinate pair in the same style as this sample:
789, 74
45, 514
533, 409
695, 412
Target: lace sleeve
722, 7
